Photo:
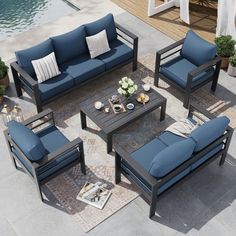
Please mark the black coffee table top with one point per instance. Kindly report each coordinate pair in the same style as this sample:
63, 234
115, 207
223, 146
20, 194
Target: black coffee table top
110, 122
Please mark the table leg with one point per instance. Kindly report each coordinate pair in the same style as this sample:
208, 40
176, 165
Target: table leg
163, 111
83, 120
109, 143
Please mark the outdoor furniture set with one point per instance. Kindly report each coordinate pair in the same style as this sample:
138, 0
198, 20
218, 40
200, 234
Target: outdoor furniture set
45, 152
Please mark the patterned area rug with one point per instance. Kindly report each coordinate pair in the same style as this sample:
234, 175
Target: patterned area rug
100, 164
66, 187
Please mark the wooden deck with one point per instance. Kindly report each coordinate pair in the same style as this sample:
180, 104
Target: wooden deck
203, 19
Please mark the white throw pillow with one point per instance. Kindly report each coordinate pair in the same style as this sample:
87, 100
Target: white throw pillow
98, 44
46, 68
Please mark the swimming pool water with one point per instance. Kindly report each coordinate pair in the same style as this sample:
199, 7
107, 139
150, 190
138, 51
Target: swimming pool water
21, 15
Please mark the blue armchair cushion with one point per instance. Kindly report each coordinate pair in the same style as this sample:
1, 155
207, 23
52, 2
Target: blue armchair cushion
178, 69
52, 140
83, 68
118, 54
70, 45
28, 142
107, 23
56, 85
147, 153
197, 50
209, 132
171, 157
24, 57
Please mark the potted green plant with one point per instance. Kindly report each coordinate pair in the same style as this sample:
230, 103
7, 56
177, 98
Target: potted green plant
2, 92
225, 48
232, 66
4, 79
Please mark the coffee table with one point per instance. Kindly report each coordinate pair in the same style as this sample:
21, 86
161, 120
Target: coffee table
110, 123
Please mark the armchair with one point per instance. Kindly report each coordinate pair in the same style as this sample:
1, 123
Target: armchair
169, 159
194, 64
41, 149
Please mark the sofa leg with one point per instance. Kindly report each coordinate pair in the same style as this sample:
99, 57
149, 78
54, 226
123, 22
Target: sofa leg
153, 202
39, 191
16, 82
214, 85
135, 65
222, 159
156, 80
186, 100
117, 168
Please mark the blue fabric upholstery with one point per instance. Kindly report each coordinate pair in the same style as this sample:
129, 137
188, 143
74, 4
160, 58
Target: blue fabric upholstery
28, 142
70, 45
107, 23
206, 157
197, 50
169, 138
171, 157
209, 132
146, 153
56, 85
83, 68
173, 180
119, 53
24, 57
53, 139
178, 69
145, 186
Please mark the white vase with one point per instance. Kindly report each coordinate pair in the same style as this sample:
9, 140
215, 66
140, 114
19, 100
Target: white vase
231, 70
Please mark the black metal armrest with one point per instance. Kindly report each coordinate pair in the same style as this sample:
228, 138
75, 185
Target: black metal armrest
76, 143
25, 76
170, 47
46, 114
125, 31
135, 165
204, 67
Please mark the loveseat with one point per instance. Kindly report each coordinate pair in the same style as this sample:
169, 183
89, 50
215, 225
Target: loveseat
74, 61
169, 158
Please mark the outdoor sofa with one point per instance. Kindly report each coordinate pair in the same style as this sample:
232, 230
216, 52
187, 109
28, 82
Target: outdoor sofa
74, 61
188, 65
168, 159
40, 148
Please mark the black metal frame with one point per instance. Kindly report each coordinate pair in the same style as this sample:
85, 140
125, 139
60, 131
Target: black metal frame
42, 119
174, 49
150, 193
24, 81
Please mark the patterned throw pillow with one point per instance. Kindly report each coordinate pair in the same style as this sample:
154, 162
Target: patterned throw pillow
46, 68
98, 44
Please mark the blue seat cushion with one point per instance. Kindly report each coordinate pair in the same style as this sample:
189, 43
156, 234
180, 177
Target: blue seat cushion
83, 68
209, 132
178, 69
207, 156
145, 186
70, 45
119, 53
24, 57
146, 153
197, 50
169, 138
52, 140
28, 142
56, 85
171, 157
107, 23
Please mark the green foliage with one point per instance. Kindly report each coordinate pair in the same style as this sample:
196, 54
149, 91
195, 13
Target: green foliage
3, 69
225, 45
232, 60
2, 90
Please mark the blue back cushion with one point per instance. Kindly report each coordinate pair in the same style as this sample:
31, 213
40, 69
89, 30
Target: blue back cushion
24, 57
70, 45
209, 132
197, 50
171, 157
27, 141
107, 23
